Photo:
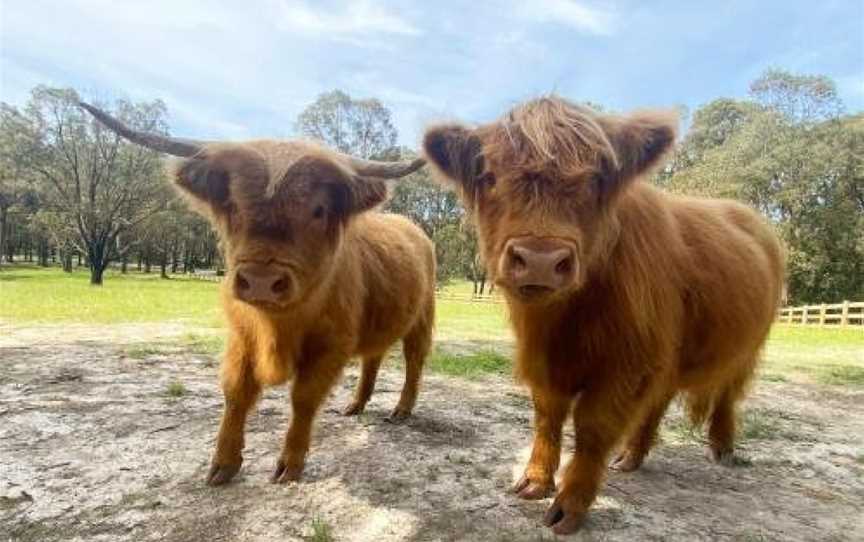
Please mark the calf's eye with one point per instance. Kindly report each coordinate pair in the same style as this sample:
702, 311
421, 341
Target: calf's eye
487, 180
318, 212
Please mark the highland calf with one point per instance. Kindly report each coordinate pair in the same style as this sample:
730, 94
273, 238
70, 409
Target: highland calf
621, 296
313, 278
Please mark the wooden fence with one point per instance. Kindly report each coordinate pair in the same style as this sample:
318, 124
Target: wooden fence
836, 315
469, 298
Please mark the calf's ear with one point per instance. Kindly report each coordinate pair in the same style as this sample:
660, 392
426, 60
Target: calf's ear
204, 179
641, 140
351, 193
455, 151
362, 193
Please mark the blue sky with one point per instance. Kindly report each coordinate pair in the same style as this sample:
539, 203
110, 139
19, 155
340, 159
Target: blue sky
236, 70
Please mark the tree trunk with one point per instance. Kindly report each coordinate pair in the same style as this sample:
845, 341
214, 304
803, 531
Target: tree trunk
10, 250
66, 257
163, 267
123, 264
43, 253
98, 262
96, 273
79, 259
3, 214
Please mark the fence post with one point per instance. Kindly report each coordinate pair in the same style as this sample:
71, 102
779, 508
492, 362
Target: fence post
844, 314
804, 315
822, 315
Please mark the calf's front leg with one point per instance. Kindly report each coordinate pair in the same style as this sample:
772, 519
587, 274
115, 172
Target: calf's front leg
601, 419
550, 411
241, 391
310, 388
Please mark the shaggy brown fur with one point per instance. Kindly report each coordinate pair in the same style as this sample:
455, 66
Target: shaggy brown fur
662, 294
355, 283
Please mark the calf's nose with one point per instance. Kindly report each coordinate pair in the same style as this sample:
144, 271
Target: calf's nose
259, 283
538, 265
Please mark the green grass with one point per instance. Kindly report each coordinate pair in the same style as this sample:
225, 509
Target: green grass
842, 375
144, 351
321, 531
202, 344
759, 425
810, 354
470, 365
462, 287
682, 430
754, 424
470, 321
195, 343
175, 389
31, 294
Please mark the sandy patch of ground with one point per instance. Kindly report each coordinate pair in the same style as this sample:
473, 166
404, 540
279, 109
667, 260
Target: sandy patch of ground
94, 447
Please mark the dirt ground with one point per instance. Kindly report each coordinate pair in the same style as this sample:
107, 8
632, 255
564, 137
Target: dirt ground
94, 447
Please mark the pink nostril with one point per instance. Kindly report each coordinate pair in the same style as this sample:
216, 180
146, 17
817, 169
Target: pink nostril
517, 261
242, 283
280, 286
565, 266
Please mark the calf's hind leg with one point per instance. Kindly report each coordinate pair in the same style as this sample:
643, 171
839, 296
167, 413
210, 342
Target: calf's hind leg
721, 423
365, 387
643, 438
721, 429
415, 347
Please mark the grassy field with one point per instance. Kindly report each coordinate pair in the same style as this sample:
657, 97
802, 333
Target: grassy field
36, 295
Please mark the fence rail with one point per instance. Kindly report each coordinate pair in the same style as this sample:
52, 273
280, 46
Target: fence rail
834, 315
469, 298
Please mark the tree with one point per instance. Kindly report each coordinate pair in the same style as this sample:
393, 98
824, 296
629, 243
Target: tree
802, 167
15, 185
361, 128
437, 210
95, 184
364, 128
800, 98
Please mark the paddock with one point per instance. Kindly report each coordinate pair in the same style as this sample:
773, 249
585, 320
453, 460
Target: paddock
108, 424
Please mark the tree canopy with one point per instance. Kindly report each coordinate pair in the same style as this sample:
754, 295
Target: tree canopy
791, 154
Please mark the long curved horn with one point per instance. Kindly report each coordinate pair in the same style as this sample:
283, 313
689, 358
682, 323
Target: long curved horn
385, 170
168, 145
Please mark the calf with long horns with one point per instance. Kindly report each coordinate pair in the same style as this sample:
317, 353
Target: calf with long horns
313, 277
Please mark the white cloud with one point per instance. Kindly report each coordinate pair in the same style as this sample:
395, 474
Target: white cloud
358, 17
577, 15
